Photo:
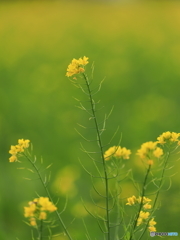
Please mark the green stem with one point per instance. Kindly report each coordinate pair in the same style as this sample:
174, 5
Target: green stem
102, 155
157, 194
49, 195
141, 203
40, 230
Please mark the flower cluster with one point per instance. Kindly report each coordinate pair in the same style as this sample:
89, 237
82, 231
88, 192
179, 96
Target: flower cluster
38, 209
133, 200
19, 148
149, 150
117, 152
169, 137
143, 215
76, 66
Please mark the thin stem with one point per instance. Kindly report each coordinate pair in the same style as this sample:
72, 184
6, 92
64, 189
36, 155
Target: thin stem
49, 195
102, 154
159, 187
40, 230
141, 203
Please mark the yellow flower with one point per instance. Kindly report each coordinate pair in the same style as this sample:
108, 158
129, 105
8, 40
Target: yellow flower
174, 137
168, 137
158, 152
46, 205
117, 152
139, 221
146, 148
145, 200
76, 66
131, 200
29, 211
147, 206
42, 215
13, 158
33, 222
152, 222
37, 209
152, 229
83, 61
149, 148
144, 215
15, 150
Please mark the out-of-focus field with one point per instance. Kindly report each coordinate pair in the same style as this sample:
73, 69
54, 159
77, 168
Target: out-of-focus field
136, 47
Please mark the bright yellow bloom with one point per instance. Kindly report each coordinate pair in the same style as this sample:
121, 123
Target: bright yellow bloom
144, 215
76, 66
152, 222
117, 152
149, 148
83, 61
145, 200
29, 211
158, 152
131, 200
13, 158
152, 229
37, 209
46, 205
15, 150
174, 137
168, 137
146, 148
147, 206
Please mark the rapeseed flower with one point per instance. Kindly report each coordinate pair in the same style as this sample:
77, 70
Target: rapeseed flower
76, 66
19, 148
131, 200
117, 152
151, 227
37, 210
148, 150
142, 217
168, 137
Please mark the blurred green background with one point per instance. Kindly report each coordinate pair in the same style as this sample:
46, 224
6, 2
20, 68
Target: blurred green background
135, 46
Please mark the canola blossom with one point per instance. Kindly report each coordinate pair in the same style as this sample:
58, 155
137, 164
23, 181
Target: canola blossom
143, 215
38, 209
19, 148
77, 66
117, 152
148, 150
169, 137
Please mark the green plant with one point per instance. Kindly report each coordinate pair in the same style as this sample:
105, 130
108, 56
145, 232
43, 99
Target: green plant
107, 173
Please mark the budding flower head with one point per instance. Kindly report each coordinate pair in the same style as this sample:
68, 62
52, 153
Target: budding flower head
149, 150
117, 152
76, 66
38, 209
17, 149
168, 137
